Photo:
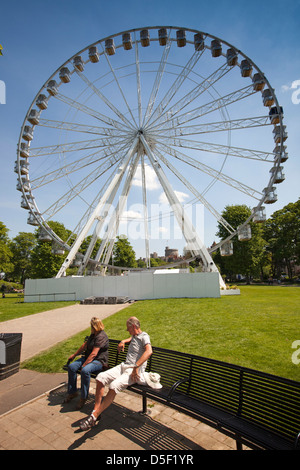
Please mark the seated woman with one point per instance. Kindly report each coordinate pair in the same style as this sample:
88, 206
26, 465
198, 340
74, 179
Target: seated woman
95, 358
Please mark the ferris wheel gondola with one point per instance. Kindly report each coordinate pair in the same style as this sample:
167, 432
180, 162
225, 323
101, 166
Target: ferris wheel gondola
185, 104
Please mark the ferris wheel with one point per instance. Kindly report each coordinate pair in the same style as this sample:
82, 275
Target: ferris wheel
157, 107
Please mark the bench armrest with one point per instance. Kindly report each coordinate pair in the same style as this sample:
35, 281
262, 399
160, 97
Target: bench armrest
176, 385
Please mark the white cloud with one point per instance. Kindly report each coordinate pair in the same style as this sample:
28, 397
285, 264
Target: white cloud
151, 178
290, 86
295, 87
127, 215
180, 195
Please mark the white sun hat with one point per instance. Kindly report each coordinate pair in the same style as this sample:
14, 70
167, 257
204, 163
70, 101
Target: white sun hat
152, 379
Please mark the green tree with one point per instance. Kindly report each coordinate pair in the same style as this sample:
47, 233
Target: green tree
45, 263
123, 253
156, 262
248, 257
85, 244
21, 247
6, 263
141, 263
282, 232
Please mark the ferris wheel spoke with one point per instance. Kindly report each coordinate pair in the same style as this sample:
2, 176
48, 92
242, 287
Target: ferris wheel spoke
159, 110
101, 220
91, 207
105, 100
114, 222
117, 177
89, 111
118, 84
76, 127
138, 81
205, 109
75, 146
219, 149
194, 93
212, 172
72, 167
193, 190
81, 186
144, 189
158, 79
219, 126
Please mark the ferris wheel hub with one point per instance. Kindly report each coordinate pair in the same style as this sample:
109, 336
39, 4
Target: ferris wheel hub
141, 135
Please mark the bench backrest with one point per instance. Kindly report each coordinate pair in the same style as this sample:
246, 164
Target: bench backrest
264, 399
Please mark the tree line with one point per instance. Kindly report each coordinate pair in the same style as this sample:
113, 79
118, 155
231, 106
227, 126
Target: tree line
272, 251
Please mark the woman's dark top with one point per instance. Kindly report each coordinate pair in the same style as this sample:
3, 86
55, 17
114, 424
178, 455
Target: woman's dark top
100, 340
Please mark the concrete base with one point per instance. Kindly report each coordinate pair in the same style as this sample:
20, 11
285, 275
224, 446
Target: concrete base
136, 286
230, 292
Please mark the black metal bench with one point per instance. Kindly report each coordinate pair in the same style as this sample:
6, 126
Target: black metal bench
259, 410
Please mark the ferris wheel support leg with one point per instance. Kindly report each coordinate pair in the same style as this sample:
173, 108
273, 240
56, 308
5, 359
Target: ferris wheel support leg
145, 213
91, 246
195, 245
118, 176
98, 229
113, 226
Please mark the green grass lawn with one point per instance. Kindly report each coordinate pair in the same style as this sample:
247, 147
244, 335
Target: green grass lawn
255, 329
13, 306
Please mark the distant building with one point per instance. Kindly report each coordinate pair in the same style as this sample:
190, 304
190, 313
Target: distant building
171, 254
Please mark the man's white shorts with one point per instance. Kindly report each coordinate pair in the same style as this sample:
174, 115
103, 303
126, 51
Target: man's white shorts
118, 378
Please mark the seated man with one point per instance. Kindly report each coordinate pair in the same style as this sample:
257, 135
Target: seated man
120, 377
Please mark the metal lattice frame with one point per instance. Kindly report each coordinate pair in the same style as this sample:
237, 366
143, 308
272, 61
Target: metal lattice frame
168, 130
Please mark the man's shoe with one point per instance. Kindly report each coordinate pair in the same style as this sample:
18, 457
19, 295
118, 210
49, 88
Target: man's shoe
88, 423
80, 403
70, 397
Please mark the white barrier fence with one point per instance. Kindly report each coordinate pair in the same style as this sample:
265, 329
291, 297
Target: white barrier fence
136, 286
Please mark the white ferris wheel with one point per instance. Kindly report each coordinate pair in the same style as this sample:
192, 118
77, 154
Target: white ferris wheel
176, 103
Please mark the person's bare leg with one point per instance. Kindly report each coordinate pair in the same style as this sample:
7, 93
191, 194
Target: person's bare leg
104, 403
101, 405
99, 395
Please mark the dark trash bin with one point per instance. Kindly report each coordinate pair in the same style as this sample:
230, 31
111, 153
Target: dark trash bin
10, 353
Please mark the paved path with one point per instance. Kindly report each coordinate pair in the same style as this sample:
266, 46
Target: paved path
45, 423
45, 329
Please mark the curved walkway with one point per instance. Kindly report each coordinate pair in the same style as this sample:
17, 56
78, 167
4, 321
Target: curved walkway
45, 329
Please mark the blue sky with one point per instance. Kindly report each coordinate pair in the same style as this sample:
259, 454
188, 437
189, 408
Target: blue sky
37, 37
